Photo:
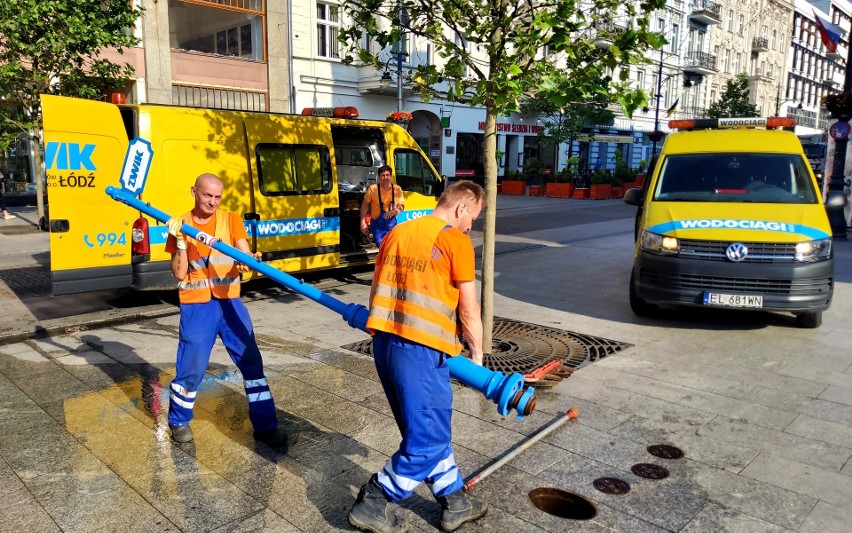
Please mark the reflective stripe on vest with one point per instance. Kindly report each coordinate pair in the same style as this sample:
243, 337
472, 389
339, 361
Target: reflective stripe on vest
214, 276
414, 301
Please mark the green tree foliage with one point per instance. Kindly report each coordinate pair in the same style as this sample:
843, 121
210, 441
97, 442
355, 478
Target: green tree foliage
733, 102
494, 53
53, 47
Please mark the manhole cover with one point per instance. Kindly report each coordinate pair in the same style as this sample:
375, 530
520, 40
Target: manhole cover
611, 485
665, 451
523, 347
650, 471
564, 504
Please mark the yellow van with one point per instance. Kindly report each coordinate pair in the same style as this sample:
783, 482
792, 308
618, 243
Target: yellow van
297, 181
731, 216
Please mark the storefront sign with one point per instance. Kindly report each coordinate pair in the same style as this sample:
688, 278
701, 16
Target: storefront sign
511, 127
435, 153
466, 173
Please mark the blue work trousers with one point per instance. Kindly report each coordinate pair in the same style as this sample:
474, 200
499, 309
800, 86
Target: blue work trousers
200, 324
416, 380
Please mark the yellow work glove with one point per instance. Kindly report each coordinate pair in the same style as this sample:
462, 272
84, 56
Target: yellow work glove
173, 225
243, 268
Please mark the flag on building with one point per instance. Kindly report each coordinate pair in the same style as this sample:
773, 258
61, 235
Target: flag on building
828, 32
670, 111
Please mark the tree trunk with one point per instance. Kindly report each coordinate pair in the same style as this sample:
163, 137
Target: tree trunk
489, 228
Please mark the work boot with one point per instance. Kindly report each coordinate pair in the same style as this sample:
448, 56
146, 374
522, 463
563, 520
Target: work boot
458, 508
370, 511
274, 438
182, 433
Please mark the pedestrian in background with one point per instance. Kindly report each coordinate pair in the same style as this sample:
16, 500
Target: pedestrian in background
425, 275
210, 306
383, 202
6, 214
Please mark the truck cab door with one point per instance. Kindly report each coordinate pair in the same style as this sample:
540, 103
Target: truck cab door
296, 222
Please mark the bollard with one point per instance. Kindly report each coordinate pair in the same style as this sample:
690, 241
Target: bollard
505, 391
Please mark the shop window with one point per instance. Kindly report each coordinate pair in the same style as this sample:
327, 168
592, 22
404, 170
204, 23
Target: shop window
293, 169
328, 28
210, 29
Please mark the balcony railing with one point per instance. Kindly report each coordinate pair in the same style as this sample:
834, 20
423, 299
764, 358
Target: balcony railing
700, 63
706, 12
760, 44
693, 112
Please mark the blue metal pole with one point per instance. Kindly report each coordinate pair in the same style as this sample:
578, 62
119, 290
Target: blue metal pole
506, 391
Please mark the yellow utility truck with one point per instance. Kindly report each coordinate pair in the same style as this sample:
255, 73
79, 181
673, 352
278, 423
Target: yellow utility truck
731, 217
296, 180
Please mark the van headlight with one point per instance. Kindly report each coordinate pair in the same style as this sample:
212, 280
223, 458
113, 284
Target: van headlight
812, 251
659, 244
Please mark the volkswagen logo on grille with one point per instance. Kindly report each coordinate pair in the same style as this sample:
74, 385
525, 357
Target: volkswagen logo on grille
737, 252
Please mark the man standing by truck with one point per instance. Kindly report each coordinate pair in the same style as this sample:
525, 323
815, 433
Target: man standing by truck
383, 202
425, 274
210, 306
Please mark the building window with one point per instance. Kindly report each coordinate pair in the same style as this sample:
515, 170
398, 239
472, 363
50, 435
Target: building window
737, 63
328, 26
640, 79
675, 37
224, 27
731, 20
774, 35
741, 25
728, 61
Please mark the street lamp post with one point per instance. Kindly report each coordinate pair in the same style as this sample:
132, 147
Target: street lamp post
836, 215
656, 136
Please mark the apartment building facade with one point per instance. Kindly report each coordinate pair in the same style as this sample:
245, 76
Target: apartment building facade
283, 56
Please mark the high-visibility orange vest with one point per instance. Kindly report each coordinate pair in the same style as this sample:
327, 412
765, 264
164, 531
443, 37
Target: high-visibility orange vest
412, 299
216, 277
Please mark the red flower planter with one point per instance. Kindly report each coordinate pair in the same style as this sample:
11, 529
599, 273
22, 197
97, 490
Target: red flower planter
514, 187
559, 190
581, 194
600, 191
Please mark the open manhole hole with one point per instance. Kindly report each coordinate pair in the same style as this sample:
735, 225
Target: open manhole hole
650, 471
611, 485
665, 451
564, 504
523, 348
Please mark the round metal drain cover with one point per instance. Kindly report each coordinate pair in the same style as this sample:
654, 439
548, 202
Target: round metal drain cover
611, 485
564, 504
650, 471
665, 451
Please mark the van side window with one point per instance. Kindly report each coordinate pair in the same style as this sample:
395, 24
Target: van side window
286, 169
413, 173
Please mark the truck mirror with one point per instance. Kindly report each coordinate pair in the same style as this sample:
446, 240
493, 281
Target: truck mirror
633, 196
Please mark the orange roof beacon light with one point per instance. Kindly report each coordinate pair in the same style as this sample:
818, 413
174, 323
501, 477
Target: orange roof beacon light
741, 123
332, 112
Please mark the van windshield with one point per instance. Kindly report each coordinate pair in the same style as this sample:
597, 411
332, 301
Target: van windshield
735, 177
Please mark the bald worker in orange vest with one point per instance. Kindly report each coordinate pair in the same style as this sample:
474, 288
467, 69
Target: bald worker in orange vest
210, 306
425, 276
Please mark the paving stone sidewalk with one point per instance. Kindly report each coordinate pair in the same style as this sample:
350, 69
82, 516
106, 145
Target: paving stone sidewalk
763, 412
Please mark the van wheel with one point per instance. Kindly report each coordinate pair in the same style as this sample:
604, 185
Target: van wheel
809, 320
639, 306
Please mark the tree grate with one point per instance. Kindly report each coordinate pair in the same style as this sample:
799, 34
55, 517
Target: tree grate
524, 348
